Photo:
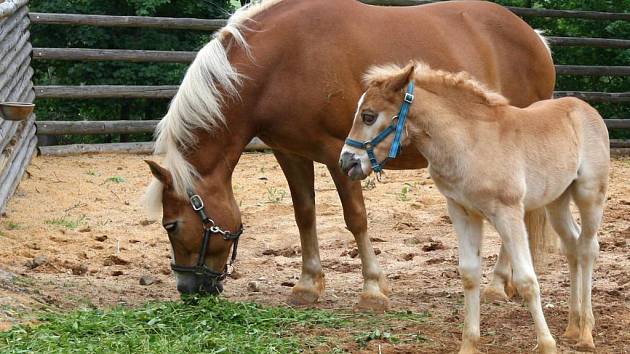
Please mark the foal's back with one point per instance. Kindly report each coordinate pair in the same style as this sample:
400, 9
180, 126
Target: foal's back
554, 142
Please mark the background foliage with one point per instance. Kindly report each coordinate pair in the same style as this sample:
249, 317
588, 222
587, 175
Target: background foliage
91, 73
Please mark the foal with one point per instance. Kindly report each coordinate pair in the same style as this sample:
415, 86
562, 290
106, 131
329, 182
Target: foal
494, 161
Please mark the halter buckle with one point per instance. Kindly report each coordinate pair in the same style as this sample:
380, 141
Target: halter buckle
196, 202
368, 144
409, 97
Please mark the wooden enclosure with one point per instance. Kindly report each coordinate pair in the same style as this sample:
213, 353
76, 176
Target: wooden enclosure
167, 92
17, 139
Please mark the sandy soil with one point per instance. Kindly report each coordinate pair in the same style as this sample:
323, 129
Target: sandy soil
81, 216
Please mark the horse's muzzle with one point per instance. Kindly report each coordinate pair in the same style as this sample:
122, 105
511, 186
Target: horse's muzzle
351, 165
198, 285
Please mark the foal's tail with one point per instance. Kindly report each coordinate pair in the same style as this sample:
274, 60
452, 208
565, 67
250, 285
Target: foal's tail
542, 238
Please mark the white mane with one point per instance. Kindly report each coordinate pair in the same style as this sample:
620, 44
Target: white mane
199, 100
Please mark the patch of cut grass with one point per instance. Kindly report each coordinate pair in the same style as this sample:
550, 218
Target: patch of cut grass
116, 179
209, 325
66, 222
11, 225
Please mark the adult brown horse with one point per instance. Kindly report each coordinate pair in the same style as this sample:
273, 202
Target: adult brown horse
289, 72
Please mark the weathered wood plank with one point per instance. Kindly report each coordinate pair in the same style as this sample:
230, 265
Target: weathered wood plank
9, 24
617, 123
589, 42
522, 11
80, 54
127, 21
18, 63
9, 7
134, 148
19, 166
105, 91
95, 127
619, 143
593, 70
611, 97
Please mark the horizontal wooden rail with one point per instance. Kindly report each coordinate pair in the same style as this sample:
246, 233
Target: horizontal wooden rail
95, 127
593, 70
617, 123
127, 21
81, 54
105, 91
609, 97
523, 11
588, 42
133, 148
116, 91
620, 143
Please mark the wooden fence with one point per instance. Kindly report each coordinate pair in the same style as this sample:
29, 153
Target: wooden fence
166, 92
17, 139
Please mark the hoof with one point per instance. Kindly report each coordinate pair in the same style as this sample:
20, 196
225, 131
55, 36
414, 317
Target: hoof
585, 346
378, 303
547, 347
494, 295
303, 297
510, 290
571, 334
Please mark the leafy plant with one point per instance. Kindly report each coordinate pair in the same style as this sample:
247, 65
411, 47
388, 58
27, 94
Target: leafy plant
11, 225
66, 222
364, 338
116, 179
369, 184
275, 195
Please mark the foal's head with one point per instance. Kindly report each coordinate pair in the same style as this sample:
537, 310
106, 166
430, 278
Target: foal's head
378, 108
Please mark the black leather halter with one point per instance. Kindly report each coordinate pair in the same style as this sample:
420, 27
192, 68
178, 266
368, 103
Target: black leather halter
209, 229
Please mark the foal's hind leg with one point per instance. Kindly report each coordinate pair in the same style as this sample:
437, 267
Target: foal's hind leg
508, 221
469, 228
568, 230
501, 287
589, 195
375, 286
300, 175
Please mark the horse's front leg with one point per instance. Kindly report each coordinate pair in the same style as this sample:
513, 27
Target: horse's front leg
375, 286
300, 175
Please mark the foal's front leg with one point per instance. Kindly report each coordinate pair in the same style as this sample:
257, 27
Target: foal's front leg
469, 228
375, 286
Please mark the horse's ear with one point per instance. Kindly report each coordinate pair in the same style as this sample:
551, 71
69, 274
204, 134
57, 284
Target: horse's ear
400, 80
163, 175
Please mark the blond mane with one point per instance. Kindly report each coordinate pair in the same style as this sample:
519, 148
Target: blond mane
209, 82
436, 79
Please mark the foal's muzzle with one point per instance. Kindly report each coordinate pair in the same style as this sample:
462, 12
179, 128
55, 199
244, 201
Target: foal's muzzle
351, 165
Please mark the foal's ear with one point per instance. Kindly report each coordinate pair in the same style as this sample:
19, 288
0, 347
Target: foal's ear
163, 175
400, 80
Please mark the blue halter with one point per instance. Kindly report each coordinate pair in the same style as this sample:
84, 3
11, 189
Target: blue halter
394, 150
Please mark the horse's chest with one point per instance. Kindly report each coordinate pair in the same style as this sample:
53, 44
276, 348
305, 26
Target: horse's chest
449, 183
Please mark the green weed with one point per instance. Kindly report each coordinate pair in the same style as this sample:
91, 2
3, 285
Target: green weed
116, 179
66, 222
275, 195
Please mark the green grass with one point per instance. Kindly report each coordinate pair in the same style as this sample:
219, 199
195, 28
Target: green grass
116, 179
66, 222
209, 325
11, 225
275, 195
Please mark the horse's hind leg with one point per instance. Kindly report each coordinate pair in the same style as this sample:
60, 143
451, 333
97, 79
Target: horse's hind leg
563, 223
509, 223
469, 228
375, 286
300, 175
589, 194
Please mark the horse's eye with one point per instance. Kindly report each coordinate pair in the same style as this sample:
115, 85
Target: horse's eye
368, 117
170, 227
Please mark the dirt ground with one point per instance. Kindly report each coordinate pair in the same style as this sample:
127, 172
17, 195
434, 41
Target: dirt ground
76, 235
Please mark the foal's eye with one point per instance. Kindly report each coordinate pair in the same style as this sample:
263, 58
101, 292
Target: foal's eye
368, 117
170, 227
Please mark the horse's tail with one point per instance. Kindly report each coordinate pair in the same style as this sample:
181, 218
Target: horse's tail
538, 230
